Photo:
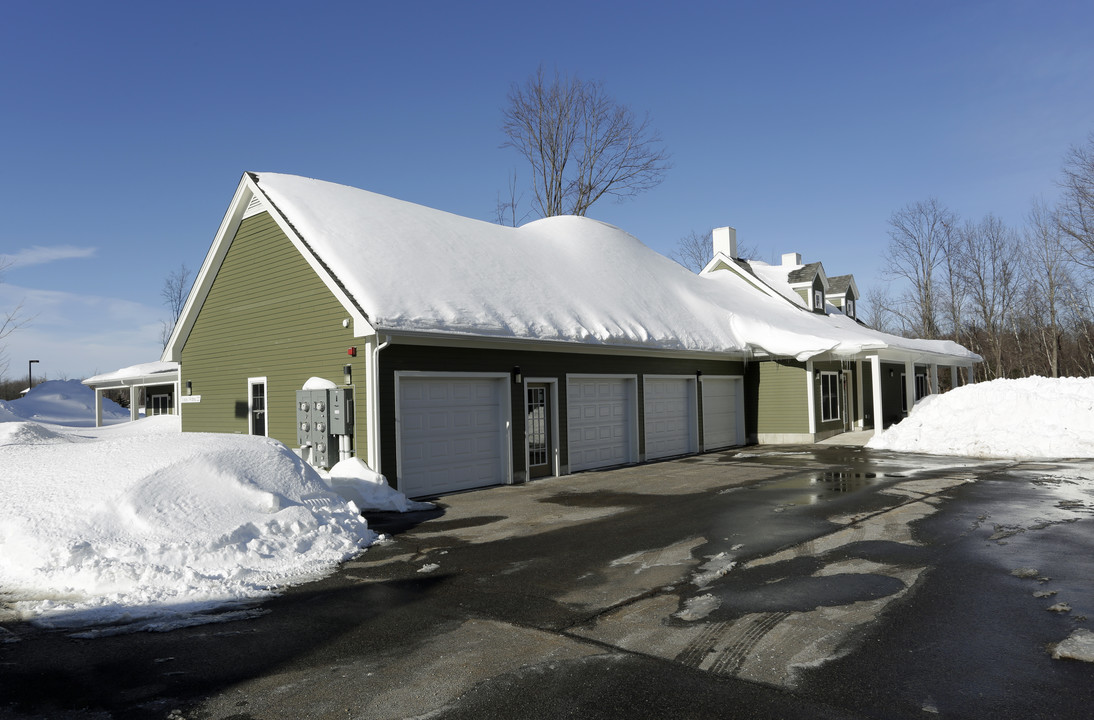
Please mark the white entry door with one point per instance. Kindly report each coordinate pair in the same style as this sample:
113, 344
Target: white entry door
670, 417
600, 420
723, 412
451, 433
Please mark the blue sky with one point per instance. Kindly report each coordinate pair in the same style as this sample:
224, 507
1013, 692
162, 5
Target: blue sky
126, 126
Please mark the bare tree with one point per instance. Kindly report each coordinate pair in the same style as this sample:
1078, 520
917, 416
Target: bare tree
10, 320
694, 250
505, 213
1076, 212
1048, 278
176, 286
989, 266
876, 310
919, 237
580, 143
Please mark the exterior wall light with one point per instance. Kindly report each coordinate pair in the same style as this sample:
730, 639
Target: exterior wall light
347, 371
518, 378
189, 387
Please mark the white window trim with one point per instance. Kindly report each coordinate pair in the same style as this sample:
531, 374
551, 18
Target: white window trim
251, 382
839, 404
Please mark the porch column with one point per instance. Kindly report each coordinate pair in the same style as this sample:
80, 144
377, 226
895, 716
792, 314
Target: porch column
955, 376
875, 380
134, 396
971, 376
98, 407
909, 383
933, 379
861, 422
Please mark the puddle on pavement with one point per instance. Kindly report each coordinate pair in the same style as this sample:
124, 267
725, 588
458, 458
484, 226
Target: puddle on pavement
819, 485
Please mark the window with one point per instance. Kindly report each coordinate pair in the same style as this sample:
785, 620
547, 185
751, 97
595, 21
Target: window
903, 392
818, 300
849, 308
920, 387
256, 405
829, 396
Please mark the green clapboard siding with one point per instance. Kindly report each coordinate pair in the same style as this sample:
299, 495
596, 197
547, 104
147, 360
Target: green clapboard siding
267, 314
777, 391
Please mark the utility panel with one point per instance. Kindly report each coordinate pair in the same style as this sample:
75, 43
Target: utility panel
321, 417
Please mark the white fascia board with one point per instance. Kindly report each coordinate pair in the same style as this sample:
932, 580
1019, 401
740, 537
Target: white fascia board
739, 272
163, 378
397, 336
214, 258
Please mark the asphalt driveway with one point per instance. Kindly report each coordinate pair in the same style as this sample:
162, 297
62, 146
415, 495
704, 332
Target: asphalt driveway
812, 581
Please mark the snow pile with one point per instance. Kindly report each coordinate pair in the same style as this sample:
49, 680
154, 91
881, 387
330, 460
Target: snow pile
142, 525
61, 402
1028, 418
368, 489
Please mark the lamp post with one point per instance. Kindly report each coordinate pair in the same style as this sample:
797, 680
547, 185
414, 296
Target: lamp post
30, 375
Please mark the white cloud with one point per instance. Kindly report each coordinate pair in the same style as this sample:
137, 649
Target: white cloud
76, 336
38, 255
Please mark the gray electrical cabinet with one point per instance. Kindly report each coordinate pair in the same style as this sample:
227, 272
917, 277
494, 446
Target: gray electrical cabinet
341, 411
322, 416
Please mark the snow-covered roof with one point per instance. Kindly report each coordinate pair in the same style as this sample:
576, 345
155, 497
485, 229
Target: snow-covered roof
159, 371
405, 268
777, 277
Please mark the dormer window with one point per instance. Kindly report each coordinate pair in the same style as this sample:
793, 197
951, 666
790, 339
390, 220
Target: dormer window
849, 308
818, 300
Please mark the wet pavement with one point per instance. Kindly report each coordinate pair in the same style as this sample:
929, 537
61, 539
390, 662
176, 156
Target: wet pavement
811, 581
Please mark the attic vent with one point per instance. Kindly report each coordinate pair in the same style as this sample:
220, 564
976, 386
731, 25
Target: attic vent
254, 207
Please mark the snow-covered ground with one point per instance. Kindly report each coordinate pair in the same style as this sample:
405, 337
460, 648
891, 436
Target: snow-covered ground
140, 526
1027, 418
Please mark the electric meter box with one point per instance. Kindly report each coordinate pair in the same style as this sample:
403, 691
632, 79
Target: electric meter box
321, 416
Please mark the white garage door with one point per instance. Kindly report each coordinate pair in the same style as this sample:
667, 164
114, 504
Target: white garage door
600, 420
723, 415
669, 418
451, 434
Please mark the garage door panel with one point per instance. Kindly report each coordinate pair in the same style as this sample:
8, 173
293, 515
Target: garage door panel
452, 434
721, 412
669, 417
600, 419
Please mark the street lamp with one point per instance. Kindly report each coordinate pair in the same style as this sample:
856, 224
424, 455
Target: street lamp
30, 375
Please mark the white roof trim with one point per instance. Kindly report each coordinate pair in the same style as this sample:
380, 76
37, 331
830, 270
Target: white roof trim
249, 196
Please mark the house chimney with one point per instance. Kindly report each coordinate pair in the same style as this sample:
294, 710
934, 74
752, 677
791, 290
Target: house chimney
792, 259
725, 242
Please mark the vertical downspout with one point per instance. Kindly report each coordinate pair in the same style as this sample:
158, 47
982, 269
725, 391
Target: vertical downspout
374, 406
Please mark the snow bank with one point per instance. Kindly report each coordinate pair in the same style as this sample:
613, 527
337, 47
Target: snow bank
142, 525
1028, 418
61, 402
368, 489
